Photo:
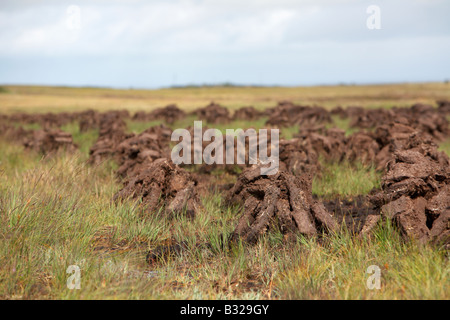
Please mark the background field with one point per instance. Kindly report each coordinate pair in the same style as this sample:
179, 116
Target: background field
57, 212
55, 99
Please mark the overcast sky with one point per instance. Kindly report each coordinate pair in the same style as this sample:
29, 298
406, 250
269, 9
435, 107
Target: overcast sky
149, 44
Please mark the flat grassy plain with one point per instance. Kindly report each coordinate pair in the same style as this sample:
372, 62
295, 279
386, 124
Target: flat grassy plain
57, 99
57, 211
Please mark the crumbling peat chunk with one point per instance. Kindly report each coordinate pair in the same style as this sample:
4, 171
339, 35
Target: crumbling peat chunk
163, 184
281, 200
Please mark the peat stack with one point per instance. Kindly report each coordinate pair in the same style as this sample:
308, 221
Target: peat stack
168, 114
416, 192
328, 143
14, 134
162, 183
369, 118
142, 149
213, 113
45, 120
242, 148
48, 141
428, 120
391, 137
443, 106
287, 114
112, 133
362, 146
89, 120
279, 201
247, 113
299, 157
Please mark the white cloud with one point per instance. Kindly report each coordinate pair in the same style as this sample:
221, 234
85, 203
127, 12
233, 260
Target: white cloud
227, 35
169, 26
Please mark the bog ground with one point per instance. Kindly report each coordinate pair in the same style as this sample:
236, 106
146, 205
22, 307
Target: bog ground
86, 180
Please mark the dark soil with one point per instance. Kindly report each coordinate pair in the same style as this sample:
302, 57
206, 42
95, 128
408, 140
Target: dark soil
353, 212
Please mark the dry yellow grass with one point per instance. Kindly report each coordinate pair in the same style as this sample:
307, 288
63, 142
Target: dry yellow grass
56, 99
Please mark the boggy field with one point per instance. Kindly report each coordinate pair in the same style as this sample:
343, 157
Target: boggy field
358, 186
